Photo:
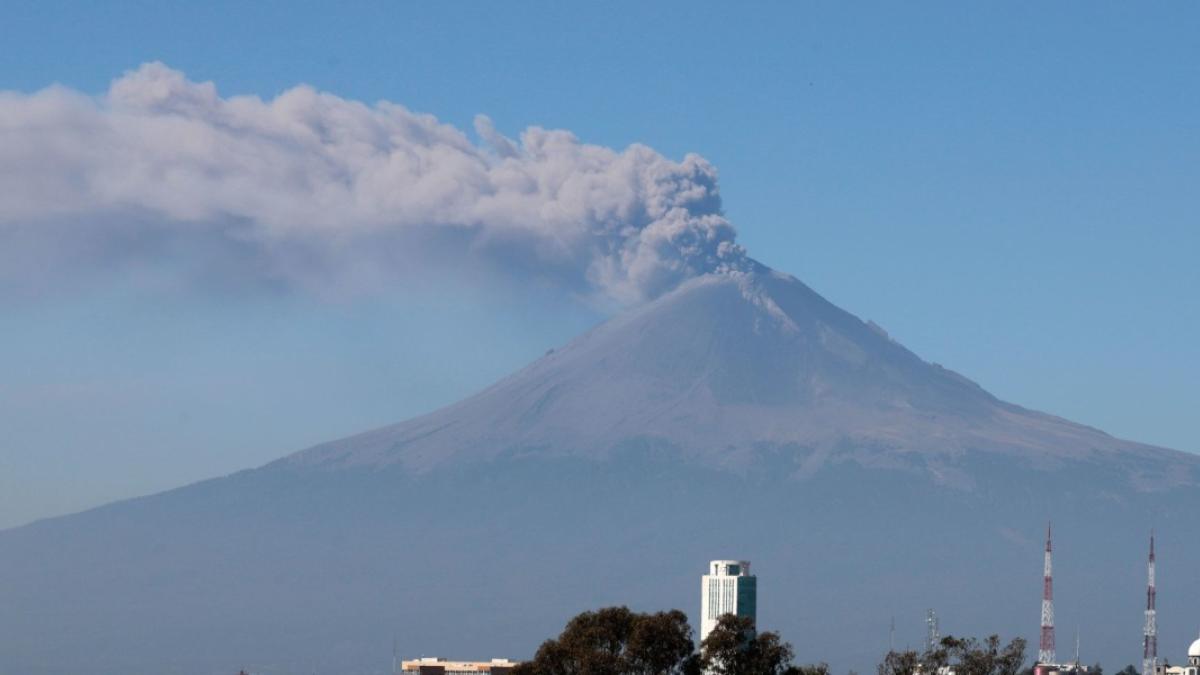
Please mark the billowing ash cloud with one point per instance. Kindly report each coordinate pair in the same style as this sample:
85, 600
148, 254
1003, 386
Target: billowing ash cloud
311, 189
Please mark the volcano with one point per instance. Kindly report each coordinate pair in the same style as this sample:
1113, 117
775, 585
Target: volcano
739, 416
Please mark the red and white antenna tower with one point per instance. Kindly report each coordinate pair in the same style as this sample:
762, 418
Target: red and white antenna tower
1046, 646
1150, 634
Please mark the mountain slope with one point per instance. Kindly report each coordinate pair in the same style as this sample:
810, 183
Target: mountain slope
731, 366
741, 415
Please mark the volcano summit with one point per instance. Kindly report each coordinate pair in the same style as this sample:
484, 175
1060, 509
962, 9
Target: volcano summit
733, 370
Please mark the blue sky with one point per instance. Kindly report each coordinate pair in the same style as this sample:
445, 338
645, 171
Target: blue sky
1009, 189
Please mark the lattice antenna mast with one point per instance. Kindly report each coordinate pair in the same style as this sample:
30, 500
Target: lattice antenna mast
1046, 646
931, 631
1150, 633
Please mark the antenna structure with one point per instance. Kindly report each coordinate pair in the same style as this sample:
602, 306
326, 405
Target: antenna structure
1150, 632
1046, 645
931, 631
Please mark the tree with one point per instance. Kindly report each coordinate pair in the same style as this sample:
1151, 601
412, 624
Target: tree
661, 644
963, 656
1128, 670
900, 663
969, 657
617, 641
735, 648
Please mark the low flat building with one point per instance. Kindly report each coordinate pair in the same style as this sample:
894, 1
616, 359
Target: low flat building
435, 666
1060, 669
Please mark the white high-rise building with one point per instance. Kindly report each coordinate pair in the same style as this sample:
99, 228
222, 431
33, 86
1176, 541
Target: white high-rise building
728, 588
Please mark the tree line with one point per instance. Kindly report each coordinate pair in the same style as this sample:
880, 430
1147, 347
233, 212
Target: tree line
618, 641
961, 656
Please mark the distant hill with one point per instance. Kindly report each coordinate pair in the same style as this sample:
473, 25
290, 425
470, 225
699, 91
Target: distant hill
741, 415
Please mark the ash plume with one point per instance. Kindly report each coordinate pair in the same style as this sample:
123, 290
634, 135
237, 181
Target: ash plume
315, 191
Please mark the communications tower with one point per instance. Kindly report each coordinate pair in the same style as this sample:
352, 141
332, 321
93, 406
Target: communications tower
1046, 645
1150, 633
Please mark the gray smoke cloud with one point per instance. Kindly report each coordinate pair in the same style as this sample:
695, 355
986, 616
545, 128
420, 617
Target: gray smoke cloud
310, 189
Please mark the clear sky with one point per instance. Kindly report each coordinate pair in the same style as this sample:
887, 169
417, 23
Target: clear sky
1010, 189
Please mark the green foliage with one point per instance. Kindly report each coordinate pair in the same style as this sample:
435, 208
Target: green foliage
969, 657
963, 656
735, 648
1128, 670
617, 641
900, 663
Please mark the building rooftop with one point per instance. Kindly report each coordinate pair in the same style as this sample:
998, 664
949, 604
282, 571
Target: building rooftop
729, 568
415, 665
